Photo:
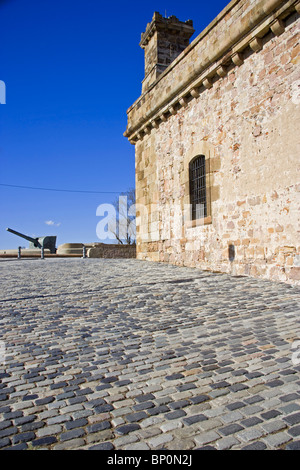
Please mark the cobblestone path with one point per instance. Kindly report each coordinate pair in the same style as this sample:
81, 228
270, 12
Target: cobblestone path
125, 354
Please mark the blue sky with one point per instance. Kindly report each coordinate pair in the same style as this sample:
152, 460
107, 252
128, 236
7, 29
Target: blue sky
71, 68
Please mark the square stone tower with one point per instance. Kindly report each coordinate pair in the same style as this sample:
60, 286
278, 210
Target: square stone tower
163, 40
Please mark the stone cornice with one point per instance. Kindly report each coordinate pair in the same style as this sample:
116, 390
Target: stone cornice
265, 15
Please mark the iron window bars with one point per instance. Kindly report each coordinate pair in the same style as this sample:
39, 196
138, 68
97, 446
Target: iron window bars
198, 187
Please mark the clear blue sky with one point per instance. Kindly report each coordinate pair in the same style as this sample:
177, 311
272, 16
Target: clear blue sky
71, 68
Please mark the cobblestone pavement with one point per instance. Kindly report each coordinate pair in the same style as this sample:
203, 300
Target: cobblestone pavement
125, 354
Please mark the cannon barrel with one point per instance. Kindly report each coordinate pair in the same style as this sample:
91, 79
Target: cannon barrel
35, 241
47, 242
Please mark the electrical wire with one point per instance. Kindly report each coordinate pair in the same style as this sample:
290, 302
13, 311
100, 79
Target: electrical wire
60, 190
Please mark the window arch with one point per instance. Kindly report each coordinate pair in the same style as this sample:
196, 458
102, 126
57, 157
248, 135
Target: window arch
198, 196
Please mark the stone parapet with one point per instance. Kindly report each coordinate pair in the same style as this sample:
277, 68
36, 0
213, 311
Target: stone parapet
70, 249
112, 251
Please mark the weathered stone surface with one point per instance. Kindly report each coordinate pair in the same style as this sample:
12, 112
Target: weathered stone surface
112, 251
240, 109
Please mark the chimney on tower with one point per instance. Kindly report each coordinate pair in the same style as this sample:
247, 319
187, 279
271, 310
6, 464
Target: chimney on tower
163, 40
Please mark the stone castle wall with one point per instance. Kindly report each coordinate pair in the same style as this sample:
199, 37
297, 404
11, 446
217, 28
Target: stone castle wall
233, 96
97, 250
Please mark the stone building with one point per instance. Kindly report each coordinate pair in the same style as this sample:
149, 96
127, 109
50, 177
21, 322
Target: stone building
217, 141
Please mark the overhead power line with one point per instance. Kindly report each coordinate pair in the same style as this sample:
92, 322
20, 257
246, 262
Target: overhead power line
60, 190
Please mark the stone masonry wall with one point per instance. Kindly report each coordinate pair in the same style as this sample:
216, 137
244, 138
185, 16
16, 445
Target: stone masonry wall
245, 122
102, 250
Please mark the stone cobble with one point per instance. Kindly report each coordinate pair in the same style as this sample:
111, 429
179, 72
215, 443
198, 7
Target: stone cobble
126, 354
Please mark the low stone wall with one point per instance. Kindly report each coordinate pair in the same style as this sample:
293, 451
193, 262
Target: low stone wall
25, 253
112, 251
70, 249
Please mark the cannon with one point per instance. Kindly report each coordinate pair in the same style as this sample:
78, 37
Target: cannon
48, 242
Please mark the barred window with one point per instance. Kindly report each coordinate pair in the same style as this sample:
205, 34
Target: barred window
198, 187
